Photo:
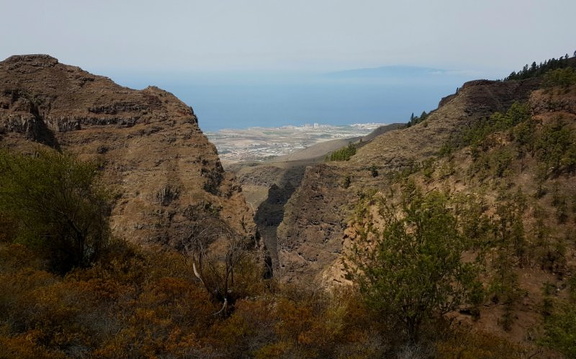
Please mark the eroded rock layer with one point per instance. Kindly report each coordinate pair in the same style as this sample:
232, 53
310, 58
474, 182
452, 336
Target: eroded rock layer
166, 176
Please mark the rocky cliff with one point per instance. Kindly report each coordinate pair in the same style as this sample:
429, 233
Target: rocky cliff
510, 146
314, 231
167, 179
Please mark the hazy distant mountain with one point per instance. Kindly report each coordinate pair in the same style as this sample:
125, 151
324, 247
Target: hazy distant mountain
397, 71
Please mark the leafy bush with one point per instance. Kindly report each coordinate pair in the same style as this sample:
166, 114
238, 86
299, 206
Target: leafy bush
477, 133
555, 146
413, 269
474, 345
55, 205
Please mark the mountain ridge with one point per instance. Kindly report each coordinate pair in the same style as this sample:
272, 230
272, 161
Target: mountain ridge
318, 229
491, 171
166, 173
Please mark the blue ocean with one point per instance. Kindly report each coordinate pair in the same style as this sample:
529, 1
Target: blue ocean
259, 99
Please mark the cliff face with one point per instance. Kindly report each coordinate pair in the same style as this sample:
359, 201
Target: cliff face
517, 172
167, 177
314, 234
310, 237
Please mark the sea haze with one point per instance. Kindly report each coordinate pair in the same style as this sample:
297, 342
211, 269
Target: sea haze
241, 100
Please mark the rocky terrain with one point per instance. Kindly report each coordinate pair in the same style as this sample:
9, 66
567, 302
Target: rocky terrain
310, 236
320, 222
493, 165
166, 177
268, 185
309, 239
313, 233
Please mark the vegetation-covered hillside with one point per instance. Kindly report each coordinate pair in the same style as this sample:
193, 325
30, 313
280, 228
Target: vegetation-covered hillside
467, 252
484, 229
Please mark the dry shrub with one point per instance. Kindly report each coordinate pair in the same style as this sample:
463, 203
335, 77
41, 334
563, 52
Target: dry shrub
467, 344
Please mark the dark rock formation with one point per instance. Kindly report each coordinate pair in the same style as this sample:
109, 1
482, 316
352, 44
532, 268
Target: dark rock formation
310, 235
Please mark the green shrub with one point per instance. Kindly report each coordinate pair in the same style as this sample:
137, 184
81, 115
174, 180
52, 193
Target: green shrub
413, 270
555, 147
56, 206
565, 78
560, 330
343, 154
476, 135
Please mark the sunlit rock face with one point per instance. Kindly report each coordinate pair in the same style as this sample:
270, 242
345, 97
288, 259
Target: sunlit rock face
165, 176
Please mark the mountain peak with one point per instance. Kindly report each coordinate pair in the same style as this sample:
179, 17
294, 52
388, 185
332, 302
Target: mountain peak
152, 150
35, 60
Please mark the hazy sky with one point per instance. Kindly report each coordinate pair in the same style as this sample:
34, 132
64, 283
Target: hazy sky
193, 35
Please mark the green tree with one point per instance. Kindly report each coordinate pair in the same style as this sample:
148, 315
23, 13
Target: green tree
556, 147
55, 205
412, 271
560, 330
343, 154
374, 171
564, 77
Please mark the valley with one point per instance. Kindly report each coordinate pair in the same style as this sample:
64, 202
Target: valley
449, 236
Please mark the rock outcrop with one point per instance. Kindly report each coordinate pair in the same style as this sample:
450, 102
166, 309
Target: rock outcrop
475, 101
313, 233
167, 178
310, 235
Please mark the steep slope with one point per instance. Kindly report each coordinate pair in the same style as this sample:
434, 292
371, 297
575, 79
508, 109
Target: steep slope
270, 184
167, 179
308, 243
476, 100
506, 148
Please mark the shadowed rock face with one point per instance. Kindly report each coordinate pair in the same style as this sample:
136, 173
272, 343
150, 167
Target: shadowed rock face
166, 175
